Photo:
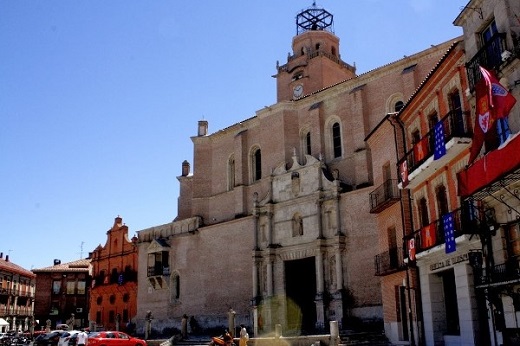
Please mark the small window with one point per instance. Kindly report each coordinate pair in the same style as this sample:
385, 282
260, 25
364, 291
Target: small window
81, 287
257, 165
398, 106
231, 173
112, 299
56, 286
336, 140
297, 75
308, 143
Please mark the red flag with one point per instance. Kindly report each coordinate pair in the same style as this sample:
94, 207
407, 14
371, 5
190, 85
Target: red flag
411, 249
420, 149
500, 100
484, 119
428, 236
403, 170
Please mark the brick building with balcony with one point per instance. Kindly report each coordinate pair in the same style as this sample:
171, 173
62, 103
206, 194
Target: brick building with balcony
449, 248
491, 180
62, 293
113, 293
16, 296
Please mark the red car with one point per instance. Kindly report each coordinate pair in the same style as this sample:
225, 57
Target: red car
113, 338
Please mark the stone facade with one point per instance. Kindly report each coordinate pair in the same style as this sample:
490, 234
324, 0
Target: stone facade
275, 219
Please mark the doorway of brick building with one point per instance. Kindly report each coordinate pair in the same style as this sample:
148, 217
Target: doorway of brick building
300, 288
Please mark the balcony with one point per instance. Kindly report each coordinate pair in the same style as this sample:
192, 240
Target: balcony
158, 271
506, 273
421, 163
384, 196
466, 221
389, 262
489, 57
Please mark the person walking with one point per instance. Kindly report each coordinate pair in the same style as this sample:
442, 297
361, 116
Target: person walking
82, 338
184, 327
244, 336
231, 322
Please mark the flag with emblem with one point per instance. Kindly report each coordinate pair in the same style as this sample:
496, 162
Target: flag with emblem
500, 99
449, 232
428, 236
411, 249
420, 149
440, 146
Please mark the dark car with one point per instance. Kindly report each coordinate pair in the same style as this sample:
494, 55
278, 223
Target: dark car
48, 339
113, 338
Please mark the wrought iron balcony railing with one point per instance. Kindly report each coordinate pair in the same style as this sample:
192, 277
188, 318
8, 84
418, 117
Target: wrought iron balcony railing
489, 57
158, 271
384, 195
508, 272
466, 220
389, 261
456, 124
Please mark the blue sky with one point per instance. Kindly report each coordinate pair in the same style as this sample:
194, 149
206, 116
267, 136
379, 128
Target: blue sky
98, 100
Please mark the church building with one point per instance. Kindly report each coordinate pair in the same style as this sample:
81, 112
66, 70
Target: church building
274, 218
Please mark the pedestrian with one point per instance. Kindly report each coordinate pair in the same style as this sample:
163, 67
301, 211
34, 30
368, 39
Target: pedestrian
194, 326
244, 336
231, 322
184, 327
82, 338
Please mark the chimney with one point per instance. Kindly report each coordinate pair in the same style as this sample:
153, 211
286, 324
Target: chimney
57, 261
7, 258
1, 255
185, 168
203, 128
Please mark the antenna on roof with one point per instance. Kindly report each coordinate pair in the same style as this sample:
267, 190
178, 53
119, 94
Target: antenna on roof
81, 248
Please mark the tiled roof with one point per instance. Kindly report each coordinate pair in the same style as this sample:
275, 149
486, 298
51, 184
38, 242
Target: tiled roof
14, 268
81, 265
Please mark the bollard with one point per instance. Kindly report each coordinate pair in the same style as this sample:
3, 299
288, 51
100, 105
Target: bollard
278, 331
334, 333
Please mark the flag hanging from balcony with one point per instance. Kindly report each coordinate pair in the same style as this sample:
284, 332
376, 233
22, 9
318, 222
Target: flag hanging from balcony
440, 146
403, 171
428, 236
493, 102
449, 232
411, 249
500, 100
420, 149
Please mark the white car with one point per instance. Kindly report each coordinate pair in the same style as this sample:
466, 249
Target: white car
64, 338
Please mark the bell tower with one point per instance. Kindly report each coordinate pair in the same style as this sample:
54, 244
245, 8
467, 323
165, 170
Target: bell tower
315, 60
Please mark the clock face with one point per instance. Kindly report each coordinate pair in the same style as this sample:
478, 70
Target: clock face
298, 91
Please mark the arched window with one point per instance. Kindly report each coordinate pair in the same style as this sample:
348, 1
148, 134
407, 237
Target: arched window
231, 173
336, 140
333, 51
256, 164
317, 46
175, 289
398, 106
308, 143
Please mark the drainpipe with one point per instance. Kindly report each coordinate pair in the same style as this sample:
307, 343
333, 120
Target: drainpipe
393, 116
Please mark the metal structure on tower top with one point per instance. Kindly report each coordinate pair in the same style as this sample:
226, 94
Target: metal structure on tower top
314, 18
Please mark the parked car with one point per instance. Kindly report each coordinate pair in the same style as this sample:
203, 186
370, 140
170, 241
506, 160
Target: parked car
48, 339
113, 338
65, 337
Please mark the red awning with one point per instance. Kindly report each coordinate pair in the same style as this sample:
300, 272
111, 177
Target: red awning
493, 166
